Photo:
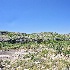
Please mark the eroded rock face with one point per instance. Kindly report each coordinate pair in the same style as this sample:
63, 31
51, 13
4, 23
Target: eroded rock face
23, 40
26, 38
3, 32
39, 40
58, 39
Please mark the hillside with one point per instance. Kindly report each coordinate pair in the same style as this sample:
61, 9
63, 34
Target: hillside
36, 51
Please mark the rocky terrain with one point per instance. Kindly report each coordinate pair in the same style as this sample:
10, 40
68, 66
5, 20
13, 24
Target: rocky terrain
36, 51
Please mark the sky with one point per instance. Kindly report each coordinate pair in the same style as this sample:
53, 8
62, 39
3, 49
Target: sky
33, 16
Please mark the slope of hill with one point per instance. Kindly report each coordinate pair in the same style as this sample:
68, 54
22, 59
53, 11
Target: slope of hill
36, 51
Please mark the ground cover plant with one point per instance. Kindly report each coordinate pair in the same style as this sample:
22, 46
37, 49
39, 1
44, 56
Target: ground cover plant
36, 51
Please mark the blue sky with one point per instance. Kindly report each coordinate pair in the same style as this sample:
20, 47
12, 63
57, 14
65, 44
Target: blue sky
32, 16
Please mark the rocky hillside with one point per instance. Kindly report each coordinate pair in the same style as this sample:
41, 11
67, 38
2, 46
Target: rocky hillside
12, 37
13, 40
36, 51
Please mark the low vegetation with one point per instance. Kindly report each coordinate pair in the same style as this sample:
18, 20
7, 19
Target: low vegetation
39, 51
